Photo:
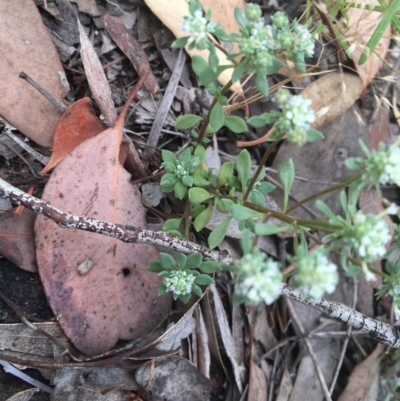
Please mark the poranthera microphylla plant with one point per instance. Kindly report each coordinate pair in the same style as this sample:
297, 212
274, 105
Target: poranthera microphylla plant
238, 191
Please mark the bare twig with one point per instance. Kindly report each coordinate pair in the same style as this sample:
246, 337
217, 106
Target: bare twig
380, 331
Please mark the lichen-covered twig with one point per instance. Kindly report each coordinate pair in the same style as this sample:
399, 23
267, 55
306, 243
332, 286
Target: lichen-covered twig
379, 331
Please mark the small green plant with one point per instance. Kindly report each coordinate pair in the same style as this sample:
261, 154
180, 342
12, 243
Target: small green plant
238, 189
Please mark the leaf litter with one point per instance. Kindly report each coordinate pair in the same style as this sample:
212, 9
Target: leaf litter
338, 144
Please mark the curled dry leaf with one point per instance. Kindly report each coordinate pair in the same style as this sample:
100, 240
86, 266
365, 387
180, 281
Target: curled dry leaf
171, 14
330, 95
117, 297
361, 25
132, 49
26, 46
77, 124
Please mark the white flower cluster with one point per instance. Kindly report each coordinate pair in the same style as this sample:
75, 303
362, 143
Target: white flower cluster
390, 167
303, 40
258, 279
179, 282
367, 236
297, 115
315, 274
198, 27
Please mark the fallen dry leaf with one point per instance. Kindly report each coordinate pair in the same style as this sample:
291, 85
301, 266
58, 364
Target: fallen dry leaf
23, 395
132, 49
25, 45
112, 295
96, 78
361, 25
76, 125
171, 14
362, 377
331, 95
17, 242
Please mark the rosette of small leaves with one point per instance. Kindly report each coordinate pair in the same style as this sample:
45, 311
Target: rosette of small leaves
183, 276
315, 275
380, 166
294, 119
182, 172
360, 234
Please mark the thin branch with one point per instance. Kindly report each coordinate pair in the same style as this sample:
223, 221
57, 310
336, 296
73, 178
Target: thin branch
379, 331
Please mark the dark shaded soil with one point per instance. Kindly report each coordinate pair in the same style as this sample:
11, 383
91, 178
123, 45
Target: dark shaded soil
26, 291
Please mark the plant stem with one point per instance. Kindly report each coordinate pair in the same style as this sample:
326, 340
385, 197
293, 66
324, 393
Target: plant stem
325, 191
260, 167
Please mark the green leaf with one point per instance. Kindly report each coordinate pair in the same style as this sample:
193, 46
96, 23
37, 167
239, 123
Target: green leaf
197, 210
265, 187
217, 117
275, 67
187, 121
298, 59
240, 18
167, 261
198, 195
181, 261
179, 43
187, 180
225, 172
168, 156
314, 135
155, 266
258, 198
180, 190
172, 224
208, 76
193, 261
196, 290
183, 298
199, 64
175, 232
185, 156
240, 212
200, 181
162, 289
210, 267
213, 59
246, 242
269, 229
235, 124
194, 6
257, 121
218, 234
228, 204
262, 83
243, 167
203, 279
168, 180
238, 71
324, 209
203, 218
286, 175
354, 163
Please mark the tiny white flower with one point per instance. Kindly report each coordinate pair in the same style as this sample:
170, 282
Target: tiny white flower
392, 209
179, 282
258, 279
315, 275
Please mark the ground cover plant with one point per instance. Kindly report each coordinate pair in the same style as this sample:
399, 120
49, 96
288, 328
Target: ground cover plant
328, 234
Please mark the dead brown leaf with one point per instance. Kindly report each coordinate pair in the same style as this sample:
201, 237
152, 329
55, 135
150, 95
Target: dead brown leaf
26, 46
17, 242
96, 78
98, 287
76, 125
132, 49
362, 377
361, 26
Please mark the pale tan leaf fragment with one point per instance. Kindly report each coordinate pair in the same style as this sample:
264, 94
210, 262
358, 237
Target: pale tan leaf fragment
23, 395
25, 45
171, 14
361, 25
362, 377
96, 78
257, 383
